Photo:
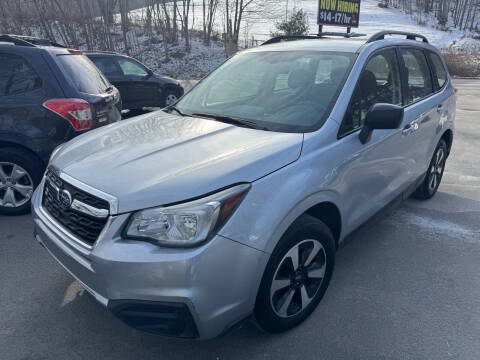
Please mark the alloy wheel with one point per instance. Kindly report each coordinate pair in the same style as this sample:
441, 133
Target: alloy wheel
436, 170
16, 185
171, 99
298, 278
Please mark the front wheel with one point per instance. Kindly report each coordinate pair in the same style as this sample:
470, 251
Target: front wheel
170, 97
297, 275
434, 174
20, 173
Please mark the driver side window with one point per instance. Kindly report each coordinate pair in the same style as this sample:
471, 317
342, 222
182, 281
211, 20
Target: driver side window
379, 82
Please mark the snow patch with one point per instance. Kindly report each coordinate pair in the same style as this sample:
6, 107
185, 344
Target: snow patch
435, 227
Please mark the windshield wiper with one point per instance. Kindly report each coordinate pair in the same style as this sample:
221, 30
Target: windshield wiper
173, 107
232, 120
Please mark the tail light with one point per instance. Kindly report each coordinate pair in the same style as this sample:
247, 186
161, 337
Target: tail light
75, 52
76, 111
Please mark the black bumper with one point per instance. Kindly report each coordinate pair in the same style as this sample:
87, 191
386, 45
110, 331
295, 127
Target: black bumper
162, 318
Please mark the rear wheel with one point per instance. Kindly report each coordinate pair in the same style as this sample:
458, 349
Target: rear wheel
434, 174
297, 275
20, 174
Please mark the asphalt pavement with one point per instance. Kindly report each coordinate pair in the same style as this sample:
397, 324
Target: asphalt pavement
406, 286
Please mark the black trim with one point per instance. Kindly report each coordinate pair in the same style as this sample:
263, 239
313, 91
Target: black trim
404, 78
161, 318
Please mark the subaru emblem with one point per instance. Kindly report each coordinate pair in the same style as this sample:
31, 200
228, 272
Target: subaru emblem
65, 199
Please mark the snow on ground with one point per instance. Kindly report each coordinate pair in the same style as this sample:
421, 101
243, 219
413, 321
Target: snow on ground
182, 65
372, 19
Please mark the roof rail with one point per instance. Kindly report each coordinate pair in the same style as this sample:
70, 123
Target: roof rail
410, 36
23, 40
321, 35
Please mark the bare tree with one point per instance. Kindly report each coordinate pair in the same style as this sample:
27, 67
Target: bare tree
209, 11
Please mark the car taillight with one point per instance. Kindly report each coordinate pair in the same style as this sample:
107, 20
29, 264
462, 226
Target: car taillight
76, 111
75, 52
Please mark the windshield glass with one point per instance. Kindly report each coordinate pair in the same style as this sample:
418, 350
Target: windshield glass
84, 75
289, 91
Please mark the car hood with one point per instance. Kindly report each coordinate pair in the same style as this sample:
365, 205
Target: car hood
158, 158
166, 79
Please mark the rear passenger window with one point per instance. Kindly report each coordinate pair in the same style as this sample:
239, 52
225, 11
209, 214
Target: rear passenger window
379, 82
17, 76
439, 68
107, 66
418, 74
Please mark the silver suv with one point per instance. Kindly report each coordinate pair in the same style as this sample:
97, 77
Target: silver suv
232, 202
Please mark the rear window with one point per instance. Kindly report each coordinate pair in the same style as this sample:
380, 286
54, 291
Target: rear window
84, 75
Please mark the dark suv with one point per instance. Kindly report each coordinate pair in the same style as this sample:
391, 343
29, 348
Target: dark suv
48, 95
138, 85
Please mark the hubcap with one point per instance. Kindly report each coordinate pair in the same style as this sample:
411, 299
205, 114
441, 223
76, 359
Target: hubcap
298, 277
16, 185
171, 99
436, 170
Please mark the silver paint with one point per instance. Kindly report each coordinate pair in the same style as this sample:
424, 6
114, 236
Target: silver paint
159, 159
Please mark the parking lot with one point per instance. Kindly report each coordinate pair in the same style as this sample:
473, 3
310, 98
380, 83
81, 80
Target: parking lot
406, 286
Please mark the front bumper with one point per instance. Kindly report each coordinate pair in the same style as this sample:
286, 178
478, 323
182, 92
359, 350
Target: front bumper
195, 293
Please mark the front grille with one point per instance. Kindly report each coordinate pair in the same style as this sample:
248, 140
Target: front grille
86, 228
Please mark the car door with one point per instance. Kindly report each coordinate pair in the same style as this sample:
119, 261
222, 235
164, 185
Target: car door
140, 89
375, 173
443, 100
421, 113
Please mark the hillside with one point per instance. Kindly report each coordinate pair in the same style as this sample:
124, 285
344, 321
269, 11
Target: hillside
373, 19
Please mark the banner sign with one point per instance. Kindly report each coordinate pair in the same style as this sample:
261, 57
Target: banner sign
339, 12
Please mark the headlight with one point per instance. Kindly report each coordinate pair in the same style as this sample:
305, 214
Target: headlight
54, 152
187, 224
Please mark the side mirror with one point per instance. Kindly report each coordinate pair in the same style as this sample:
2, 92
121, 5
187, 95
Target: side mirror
381, 117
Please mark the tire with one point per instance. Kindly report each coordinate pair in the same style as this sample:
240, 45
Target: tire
20, 173
170, 97
308, 236
434, 175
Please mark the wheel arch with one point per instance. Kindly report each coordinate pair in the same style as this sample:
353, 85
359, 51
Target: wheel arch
11, 144
448, 137
171, 87
329, 214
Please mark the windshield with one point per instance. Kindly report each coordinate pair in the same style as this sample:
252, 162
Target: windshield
289, 91
84, 75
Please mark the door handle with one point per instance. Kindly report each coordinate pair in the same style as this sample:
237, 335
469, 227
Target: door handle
439, 107
407, 129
